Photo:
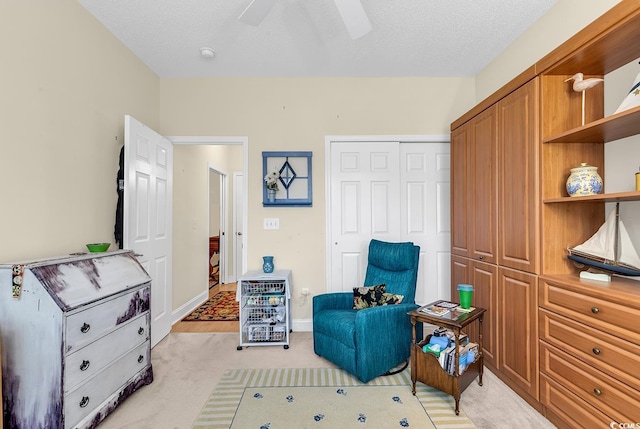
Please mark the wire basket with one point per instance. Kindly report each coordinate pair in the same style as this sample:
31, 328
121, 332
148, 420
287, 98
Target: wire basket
265, 300
262, 286
263, 333
266, 314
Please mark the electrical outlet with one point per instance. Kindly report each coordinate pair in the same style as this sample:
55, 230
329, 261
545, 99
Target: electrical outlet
304, 292
271, 223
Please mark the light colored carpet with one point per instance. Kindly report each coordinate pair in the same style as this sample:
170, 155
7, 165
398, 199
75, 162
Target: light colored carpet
237, 388
187, 366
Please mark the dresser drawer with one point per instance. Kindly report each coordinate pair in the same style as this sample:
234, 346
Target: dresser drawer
617, 400
88, 325
572, 410
614, 318
87, 397
612, 355
90, 360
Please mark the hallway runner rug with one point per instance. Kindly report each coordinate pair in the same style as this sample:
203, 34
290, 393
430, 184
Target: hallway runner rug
258, 398
220, 307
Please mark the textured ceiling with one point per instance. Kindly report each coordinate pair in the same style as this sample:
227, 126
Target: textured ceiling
308, 37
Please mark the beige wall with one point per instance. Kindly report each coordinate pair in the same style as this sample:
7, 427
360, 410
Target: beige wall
214, 203
296, 114
66, 85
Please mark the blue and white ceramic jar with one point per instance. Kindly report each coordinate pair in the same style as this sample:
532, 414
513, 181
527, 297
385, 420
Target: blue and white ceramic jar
584, 180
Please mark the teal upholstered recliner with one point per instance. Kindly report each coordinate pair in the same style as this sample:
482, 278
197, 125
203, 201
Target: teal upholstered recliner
370, 342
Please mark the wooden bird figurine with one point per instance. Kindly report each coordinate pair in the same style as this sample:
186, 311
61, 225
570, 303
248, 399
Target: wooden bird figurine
580, 84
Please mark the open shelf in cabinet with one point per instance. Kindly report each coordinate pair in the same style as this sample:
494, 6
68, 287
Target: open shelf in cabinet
611, 128
607, 198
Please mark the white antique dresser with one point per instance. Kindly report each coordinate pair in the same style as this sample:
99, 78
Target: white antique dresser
75, 338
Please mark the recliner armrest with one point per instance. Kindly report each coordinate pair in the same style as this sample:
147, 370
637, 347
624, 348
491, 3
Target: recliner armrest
332, 301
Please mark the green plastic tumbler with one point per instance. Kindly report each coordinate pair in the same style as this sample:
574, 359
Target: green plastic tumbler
466, 294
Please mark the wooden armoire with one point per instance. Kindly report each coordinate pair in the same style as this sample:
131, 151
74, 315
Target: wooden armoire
567, 346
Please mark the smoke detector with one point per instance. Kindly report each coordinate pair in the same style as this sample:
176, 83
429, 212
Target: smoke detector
207, 53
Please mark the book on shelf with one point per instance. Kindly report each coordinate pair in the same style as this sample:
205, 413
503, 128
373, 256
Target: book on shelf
447, 358
464, 310
444, 356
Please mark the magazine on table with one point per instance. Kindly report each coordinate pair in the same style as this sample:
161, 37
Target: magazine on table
439, 308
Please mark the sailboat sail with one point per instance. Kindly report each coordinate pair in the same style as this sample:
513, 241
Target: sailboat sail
633, 97
609, 249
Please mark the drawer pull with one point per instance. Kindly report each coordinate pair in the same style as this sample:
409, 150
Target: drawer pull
84, 365
140, 330
595, 310
596, 351
85, 328
140, 359
597, 391
84, 401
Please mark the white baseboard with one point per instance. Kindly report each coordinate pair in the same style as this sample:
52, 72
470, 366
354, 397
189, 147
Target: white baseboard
186, 308
302, 325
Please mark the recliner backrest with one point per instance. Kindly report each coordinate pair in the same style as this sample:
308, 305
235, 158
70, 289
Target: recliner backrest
396, 265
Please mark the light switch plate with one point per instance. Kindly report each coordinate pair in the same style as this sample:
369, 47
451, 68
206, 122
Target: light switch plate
271, 223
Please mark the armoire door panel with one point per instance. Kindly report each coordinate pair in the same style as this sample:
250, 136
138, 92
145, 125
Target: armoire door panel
484, 278
518, 179
460, 190
482, 209
518, 328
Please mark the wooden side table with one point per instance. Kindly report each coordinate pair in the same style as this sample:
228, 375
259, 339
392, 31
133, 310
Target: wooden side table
426, 368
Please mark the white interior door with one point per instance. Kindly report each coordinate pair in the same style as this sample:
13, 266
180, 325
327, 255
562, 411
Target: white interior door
224, 244
148, 214
390, 191
218, 219
425, 195
365, 204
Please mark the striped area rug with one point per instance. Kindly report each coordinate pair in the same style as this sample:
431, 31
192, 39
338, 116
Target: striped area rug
220, 409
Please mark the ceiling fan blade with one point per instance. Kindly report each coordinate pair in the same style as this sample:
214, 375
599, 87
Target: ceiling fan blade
256, 11
354, 17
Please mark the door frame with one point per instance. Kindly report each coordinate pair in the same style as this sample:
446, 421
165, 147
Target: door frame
225, 140
328, 140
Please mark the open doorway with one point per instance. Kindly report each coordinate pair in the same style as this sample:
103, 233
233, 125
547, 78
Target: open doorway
196, 156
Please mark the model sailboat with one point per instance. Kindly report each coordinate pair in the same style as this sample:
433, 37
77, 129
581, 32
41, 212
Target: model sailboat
610, 249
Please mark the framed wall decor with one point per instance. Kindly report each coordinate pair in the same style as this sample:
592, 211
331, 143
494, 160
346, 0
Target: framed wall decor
286, 179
